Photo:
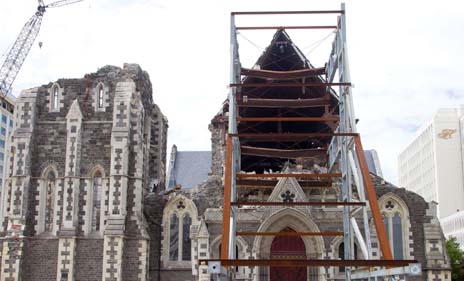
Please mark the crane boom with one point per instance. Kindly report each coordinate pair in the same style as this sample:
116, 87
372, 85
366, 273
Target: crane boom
18, 53
62, 3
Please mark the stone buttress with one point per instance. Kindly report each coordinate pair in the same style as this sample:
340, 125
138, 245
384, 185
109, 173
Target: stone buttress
17, 187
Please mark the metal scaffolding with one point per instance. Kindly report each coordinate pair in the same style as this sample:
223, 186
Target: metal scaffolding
346, 163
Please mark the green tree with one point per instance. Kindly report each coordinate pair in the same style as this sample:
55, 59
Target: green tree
457, 259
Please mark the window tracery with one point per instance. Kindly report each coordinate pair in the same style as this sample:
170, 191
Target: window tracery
179, 215
96, 202
395, 215
49, 201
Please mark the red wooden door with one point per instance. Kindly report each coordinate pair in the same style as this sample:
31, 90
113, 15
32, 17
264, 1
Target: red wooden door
288, 247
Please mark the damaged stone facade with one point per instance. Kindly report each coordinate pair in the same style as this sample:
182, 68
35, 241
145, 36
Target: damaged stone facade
420, 237
83, 155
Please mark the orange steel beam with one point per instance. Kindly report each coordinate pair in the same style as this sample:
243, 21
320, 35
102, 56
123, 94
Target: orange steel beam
293, 84
308, 262
291, 233
290, 74
227, 198
306, 203
287, 27
296, 175
287, 103
372, 197
288, 119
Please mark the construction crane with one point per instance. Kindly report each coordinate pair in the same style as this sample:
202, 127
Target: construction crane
21, 47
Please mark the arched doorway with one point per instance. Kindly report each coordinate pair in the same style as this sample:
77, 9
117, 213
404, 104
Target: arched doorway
288, 247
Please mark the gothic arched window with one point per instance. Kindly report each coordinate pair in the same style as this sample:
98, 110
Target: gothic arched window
179, 216
96, 200
49, 201
395, 214
100, 96
55, 98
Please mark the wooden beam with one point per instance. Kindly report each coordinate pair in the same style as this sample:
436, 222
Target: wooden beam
286, 103
290, 136
283, 175
288, 84
281, 153
373, 203
291, 233
227, 199
290, 74
270, 184
289, 119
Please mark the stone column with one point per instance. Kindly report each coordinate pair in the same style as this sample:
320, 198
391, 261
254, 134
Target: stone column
201, 251
119, 176
17, 186
67, 232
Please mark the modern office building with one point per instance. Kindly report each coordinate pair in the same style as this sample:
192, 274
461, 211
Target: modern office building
373, 162
432, 163
6, 127
453, 226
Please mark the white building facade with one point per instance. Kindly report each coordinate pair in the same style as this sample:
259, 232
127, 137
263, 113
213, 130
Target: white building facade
432, 163
453, 226
6, 127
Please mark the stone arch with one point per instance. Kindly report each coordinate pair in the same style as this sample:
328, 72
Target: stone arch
54, 97
100, 97
390, 205
179, 207
297, 221
47, 196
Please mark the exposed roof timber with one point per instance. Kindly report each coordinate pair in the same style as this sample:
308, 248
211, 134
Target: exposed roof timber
291, 175
292, 84
287, 103
270, 184
290, 74
289, 119
281, 153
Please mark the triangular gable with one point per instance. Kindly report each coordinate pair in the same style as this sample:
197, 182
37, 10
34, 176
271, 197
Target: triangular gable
287, 189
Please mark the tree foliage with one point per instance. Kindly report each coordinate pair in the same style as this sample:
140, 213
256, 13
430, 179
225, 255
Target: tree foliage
457, 259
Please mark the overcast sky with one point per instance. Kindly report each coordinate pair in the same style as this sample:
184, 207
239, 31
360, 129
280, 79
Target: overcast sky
405, 56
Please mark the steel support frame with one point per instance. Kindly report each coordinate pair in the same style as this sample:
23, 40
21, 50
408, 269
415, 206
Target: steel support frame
346, 147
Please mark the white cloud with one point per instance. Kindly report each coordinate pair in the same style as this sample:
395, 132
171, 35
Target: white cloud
405, 56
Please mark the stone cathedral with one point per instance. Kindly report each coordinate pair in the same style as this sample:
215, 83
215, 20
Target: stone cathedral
86, 195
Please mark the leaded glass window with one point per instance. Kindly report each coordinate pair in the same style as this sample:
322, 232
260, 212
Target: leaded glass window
49, 201
174, 238
186, 242
55, 98
96, 206
100, 96
397, 236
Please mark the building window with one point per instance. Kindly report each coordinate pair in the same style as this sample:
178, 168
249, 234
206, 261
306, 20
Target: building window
394, 214
3, 131
174, 238
100, 96
4, 118
96, 204
178, 218
341, 254
186, 242
11, 123
2, 143
55, 98
2, 156
49, 201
